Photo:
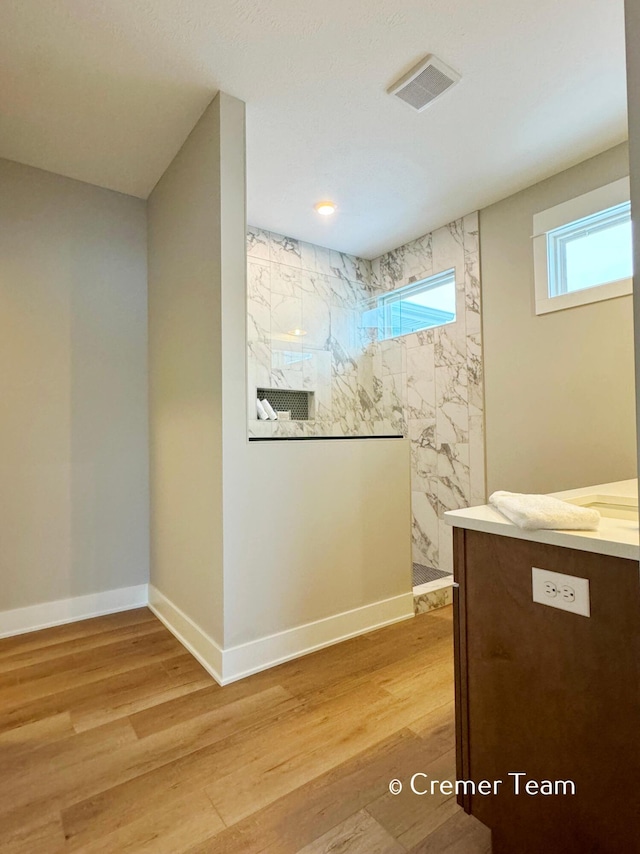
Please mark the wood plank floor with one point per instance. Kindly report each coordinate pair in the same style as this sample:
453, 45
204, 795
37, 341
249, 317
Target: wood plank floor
114, 739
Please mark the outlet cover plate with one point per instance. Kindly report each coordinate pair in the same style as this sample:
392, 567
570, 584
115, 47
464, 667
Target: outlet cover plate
561, 591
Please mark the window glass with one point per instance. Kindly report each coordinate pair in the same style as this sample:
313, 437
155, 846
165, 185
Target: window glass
430, 302
582, 249
592, 251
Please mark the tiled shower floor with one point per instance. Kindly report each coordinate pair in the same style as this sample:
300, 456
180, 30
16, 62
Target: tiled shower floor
425, 574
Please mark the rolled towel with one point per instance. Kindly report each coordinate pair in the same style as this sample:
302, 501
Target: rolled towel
262, 413
271, 413
535, 512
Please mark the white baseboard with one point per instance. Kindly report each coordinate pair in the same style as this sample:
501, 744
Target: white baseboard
47, 614
199, 643
225, 665
248, 658
229, 665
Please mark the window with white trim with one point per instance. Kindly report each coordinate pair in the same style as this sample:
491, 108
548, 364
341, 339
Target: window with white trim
421, 305
583, 249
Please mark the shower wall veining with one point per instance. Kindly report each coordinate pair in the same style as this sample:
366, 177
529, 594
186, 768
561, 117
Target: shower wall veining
426, 385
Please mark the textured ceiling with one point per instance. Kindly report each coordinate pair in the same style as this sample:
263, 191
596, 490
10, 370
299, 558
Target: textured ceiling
106, 91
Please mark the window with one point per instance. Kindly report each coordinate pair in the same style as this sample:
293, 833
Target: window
583, 249
430, 302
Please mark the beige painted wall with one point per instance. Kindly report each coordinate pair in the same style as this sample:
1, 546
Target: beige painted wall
559, 388
73, 389
185, 392
311, 529
314, 529
282, 534
632, 23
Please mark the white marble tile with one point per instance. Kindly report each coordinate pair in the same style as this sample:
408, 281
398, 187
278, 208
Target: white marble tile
417, 260
288, 428
344, 334
447, 247
473, 314
259, 366
472, 273
452, 495
257, 243
432, 586
364, 272
344, 404
366, 428
308, 256
316, 322
289, 376
284, 250
453, 463
425, 602
259, 281
425, 530
351, 268
453, 335
369, 388
368, 323
376, 278
471, 233
286, 316
260, 429
418, 339
317, 428
452, 412
391, 269
394, 402
259, 319
450, 349
286, 281
315, 284
424, 456
347, 293
316, 377
258, 323
323, 261
344, 266
454, 489
445, 547
475, 375
421, 386
477, 475
393, 356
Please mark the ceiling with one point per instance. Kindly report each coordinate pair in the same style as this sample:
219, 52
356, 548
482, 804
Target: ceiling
107, 91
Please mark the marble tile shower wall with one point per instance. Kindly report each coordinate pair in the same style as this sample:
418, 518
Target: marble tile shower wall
433, 383
298, 286
427, 385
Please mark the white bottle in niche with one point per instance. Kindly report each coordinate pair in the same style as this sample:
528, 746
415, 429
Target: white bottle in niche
271, 413
262, 413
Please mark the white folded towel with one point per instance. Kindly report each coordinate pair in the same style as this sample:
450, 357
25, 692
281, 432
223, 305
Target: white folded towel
262, 413
271, 413
534, 512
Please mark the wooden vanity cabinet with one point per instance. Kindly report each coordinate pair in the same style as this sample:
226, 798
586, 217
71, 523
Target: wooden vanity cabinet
549, 693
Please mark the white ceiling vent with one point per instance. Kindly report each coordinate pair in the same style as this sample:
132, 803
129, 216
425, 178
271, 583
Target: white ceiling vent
424, 83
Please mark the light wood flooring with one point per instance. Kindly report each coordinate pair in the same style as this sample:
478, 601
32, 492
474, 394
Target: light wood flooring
114, 739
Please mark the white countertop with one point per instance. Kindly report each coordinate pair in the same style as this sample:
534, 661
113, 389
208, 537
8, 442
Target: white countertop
615, 537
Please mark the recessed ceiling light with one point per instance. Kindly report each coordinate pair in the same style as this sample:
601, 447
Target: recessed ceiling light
297, 332
326, 208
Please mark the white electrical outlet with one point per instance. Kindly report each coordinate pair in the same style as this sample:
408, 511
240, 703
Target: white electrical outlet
561, 591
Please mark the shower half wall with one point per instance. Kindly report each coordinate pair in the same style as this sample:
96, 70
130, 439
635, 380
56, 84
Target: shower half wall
306, 332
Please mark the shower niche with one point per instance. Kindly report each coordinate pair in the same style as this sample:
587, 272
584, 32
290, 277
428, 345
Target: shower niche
289, 404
